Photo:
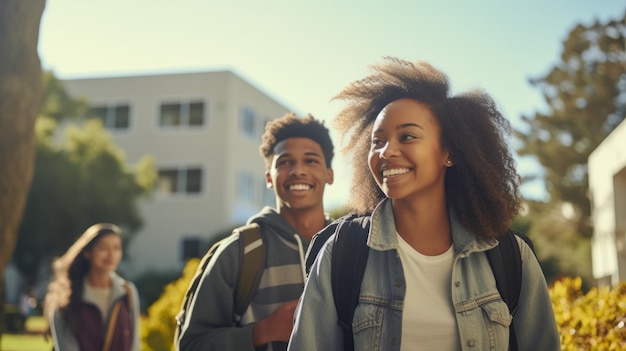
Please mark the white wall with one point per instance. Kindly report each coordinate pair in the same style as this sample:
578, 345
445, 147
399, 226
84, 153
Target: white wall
607, 186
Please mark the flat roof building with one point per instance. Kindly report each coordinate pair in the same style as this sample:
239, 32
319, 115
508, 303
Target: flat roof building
204, 130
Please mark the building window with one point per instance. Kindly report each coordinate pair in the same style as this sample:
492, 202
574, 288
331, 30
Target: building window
180, 180
114, 117
245, 186
191, 248
182, 114
196, 114
248, 122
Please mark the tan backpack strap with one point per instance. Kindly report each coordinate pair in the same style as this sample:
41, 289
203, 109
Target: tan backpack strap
111, 326
252, 263
113, 318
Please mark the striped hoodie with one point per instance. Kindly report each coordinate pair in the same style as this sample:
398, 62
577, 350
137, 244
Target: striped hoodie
210, 325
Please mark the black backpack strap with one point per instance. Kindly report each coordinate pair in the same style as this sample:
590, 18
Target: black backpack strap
349, 259
252, 255
506, 263
317, 242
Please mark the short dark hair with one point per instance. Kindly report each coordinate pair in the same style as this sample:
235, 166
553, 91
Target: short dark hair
292, 126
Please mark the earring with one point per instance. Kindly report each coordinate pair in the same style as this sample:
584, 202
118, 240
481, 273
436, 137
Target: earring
449, 163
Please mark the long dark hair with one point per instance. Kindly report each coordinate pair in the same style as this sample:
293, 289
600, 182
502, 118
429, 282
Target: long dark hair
65, 291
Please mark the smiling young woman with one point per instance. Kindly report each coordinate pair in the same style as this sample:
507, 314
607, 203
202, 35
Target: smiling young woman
433, 175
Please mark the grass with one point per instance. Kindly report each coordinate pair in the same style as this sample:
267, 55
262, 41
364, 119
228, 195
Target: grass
25, 342
36, 324
32, 340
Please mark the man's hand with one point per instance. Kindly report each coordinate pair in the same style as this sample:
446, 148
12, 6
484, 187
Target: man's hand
275, 327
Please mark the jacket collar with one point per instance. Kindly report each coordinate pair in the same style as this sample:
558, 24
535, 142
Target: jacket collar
272, 221
382, 232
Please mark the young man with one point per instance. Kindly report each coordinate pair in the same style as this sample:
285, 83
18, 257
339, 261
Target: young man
298, 154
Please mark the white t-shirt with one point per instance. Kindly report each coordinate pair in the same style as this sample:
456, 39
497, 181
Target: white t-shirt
101, 297
428, 318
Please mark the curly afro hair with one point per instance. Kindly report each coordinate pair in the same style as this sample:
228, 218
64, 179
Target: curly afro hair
483, 185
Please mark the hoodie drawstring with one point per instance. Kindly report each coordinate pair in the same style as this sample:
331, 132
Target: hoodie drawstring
301, 252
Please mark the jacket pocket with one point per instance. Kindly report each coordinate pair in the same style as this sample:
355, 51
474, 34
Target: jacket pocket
367, 316
497, 312
367, 326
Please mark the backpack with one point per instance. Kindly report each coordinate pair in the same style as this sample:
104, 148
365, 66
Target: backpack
350, 257
252, 255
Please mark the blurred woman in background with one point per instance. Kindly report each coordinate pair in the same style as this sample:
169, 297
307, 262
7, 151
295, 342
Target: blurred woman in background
89, 306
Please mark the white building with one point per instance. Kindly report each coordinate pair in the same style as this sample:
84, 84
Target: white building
204, 130
607, 186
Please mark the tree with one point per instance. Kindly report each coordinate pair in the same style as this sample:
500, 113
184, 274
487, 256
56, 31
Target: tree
75, 185
558, 245
585, 94
20, 93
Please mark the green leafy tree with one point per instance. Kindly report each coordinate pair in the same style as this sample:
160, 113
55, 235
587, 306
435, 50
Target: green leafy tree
83, 181
559, 246
20, 94
585, 94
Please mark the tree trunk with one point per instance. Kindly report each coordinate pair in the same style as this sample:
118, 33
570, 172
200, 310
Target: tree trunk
20, 99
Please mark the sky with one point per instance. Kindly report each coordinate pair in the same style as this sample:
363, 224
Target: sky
302, 53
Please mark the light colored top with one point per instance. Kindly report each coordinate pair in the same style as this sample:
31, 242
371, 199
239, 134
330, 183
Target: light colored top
428, 321
101, 297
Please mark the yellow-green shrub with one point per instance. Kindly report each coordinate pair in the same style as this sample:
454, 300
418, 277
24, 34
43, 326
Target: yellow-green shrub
157, 329
592, 321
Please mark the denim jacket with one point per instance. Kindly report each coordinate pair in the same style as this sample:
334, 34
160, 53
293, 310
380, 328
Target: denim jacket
482, 316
